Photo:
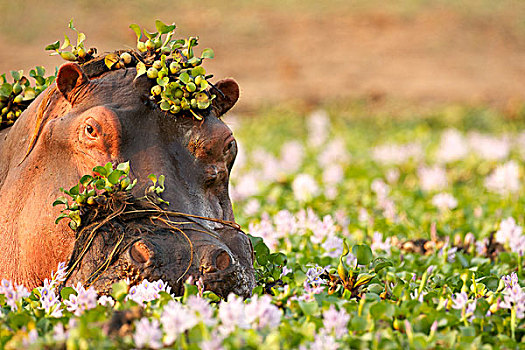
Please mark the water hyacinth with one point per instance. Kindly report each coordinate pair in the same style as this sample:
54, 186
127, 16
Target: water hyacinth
148, 334
452, 147
379, 295
444, 201
505, 179
176, 319
514, 296
335, 321
147, 291
84, 299
432, 178
397, 154
304, 187
489, 147
13, 293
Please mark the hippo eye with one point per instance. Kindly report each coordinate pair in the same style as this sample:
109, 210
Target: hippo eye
231, 147
90, 131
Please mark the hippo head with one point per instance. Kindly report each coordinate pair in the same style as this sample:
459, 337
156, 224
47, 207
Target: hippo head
91, 119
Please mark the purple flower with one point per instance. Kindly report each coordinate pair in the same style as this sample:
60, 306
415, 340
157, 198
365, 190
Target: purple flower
322, 341
84, 300
513, 296
148, 334
175, 319
459, 300
202, 310
232, 314
13, 293
261, 313
510, 280
333, 246
147, 291
106, 301
378, 244
336, 321
418, 296
215, 343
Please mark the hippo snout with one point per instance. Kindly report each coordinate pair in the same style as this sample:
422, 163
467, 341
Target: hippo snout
213, 263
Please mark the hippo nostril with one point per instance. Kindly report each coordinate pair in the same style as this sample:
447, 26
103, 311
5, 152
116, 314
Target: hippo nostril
223, 260
215, 260
140, 252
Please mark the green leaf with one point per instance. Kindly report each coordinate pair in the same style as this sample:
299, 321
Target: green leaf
111, 59
163, 28
198, 71
68, 56
163, 82
261, 253
6, 89
100, 184
124, 167
207, 53
141, 69
53, 46
86, 179
363, 279
74, 191
151, 35
60, 200
66, 43
162, 178
66, 292
278, 259
137, 30
60, 217
381, 263
185, 78
164, 105
153, 178
363, 253
16, 74
100, 170
309, 308
119, 290
114, 177
80, 38
71, 26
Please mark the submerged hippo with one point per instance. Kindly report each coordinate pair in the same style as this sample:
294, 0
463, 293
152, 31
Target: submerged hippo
93, 116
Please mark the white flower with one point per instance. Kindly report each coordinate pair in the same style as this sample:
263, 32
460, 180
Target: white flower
261, 313
333, 246
432, 178
489, 147
333, 174
147, 334
444, 201
318, 128
333, 153
397, 154
292, 155
505, 179
452, 147
175, 319
304, 187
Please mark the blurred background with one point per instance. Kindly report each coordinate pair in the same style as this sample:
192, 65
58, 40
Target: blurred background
308, 52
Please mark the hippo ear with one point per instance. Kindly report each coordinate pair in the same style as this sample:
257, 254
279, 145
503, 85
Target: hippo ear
69, 78
227, 95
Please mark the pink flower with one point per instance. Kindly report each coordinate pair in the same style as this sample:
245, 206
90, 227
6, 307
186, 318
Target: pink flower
176, 319
336, 321
261, 313
148, 334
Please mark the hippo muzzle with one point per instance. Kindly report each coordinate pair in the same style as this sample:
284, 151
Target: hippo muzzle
135, 240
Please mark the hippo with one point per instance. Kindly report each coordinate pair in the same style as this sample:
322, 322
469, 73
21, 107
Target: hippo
90, 116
